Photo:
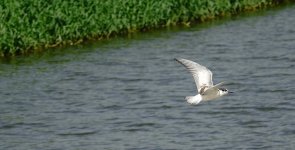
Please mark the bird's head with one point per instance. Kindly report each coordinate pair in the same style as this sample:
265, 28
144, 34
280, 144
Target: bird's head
223, 91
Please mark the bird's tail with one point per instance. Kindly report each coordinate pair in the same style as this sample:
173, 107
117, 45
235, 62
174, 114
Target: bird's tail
189, 99
193, 100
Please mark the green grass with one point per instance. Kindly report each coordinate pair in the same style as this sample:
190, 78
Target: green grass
27, 25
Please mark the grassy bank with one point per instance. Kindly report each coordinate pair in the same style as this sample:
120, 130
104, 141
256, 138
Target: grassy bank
35, 24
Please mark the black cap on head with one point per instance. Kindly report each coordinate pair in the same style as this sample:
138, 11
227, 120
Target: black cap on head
223, 89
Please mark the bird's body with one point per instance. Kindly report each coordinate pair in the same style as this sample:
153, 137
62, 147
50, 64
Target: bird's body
203, 79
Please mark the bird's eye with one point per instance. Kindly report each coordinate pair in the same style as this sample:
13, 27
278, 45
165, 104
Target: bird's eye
224, 90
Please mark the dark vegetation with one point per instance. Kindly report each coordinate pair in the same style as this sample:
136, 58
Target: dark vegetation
28, 25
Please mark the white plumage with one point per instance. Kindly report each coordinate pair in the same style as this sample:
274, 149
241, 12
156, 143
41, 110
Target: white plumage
203, 79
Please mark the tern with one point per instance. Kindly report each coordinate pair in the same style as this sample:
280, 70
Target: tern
203, 79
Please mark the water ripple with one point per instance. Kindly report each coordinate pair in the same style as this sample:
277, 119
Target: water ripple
129, 93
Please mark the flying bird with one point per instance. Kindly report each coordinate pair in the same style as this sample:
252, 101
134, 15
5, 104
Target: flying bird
203, 79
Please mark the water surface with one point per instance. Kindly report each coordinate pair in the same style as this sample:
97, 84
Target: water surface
128, 93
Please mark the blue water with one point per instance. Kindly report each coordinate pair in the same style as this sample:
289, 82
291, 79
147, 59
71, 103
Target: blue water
128, 93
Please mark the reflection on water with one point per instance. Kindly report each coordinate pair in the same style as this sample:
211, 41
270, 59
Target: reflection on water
129, 93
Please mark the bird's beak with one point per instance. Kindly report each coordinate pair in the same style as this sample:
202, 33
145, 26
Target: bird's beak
230, 92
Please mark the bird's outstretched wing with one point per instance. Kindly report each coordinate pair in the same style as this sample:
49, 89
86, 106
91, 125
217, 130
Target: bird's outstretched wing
201, 74
214, 89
